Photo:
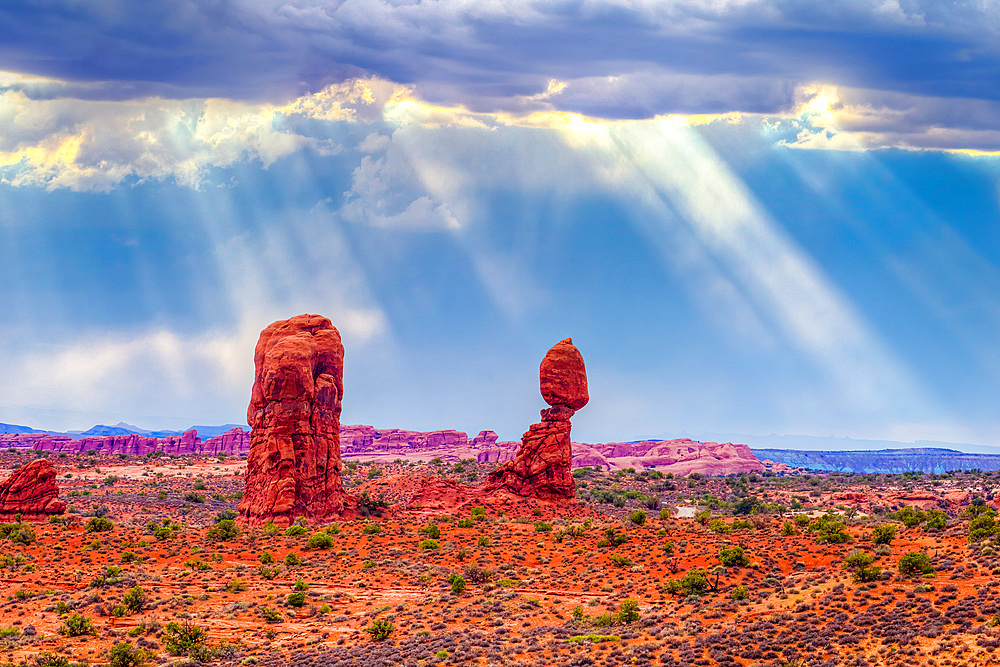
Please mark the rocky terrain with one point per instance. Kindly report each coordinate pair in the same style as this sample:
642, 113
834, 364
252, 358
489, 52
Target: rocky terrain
758, 572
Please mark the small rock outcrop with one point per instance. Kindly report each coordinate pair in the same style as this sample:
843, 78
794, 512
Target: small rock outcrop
542, 467
31, 491
293, 468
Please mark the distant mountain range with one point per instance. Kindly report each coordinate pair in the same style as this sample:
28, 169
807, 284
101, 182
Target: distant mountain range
121, 428
895, 461
835, 443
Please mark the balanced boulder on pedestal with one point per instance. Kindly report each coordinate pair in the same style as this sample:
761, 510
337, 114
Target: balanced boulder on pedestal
293, 468
543, 465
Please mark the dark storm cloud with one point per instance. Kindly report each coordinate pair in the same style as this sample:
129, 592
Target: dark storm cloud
623, 59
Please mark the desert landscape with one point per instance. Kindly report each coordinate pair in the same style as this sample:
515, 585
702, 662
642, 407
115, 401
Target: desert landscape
291, 556
531, 333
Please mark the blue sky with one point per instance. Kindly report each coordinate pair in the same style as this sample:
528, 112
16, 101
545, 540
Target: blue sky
752, 217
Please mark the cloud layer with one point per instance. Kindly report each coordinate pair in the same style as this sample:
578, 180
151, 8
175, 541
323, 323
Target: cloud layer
924, 62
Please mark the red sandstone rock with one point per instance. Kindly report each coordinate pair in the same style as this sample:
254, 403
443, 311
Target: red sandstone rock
234, 442
563, 377
294, 464
543, 465
31, 491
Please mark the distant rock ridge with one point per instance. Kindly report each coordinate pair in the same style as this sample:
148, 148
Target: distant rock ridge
681, 457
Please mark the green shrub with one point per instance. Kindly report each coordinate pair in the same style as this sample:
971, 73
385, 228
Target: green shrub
543, 527
431, 530
733, 556
371, 529
637, 517
224, 531
98, 524
915, 562
429, 545
193, 497
883, 533
295, 530
49, 659
788, 529
718, 526
270, 615
183, 638
380, 629
237, 585
77, 625
297, 599
620, 561
457, 582
664, 513
695, 583
321, 540
741, 593
936, 520
124, 654
292, 559
910, 516
134, 599
596, 639
628, 611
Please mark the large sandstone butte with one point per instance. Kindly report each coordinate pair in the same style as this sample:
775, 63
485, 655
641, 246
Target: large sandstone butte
32, 492
543, 465
293, 468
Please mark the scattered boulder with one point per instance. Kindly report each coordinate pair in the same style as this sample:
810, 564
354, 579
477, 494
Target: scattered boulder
293, 468
31, 491
542, 467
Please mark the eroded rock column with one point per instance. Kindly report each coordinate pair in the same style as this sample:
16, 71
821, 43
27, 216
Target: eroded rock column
293, 468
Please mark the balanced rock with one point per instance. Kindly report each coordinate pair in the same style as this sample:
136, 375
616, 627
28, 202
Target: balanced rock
542, 467
32, 492
293, 468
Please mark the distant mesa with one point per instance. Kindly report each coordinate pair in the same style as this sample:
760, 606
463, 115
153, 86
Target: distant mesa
32, 492
294, 464
543, 465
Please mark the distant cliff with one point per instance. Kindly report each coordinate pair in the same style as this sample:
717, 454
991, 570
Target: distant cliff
926, 460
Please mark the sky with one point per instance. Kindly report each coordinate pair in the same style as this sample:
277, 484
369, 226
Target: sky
751, 216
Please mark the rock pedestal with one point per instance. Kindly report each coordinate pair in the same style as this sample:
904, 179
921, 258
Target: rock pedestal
293, 468
32, 492
542, 467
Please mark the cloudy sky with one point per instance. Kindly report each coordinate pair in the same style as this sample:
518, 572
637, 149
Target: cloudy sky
751, 216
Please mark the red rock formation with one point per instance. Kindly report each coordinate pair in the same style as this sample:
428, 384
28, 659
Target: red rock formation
294, 464
543, 465
31, 491
234, 442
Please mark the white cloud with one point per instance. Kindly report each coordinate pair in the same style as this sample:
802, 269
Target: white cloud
95, 145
